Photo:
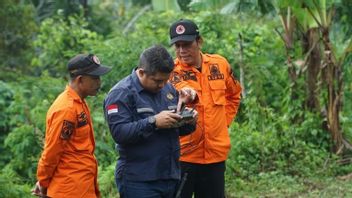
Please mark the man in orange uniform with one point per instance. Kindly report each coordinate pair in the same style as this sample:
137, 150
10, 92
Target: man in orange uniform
67, 167
204, 152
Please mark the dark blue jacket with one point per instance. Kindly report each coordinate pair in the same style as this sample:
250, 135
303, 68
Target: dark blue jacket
145, 153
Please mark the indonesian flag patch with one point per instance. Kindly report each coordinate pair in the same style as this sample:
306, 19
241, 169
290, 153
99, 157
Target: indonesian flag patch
112, 109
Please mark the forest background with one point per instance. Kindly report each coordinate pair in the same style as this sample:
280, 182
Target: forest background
292, 136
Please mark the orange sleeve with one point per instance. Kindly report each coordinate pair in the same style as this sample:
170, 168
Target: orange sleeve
233, 95
59, 127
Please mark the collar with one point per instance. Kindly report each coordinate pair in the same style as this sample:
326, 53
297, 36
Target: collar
205, 59
136, 81
73, 94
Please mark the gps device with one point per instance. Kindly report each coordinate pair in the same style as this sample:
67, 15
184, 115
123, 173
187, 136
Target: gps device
185, 113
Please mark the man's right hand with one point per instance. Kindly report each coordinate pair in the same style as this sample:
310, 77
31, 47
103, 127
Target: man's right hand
167, 119
186, 95
39, 191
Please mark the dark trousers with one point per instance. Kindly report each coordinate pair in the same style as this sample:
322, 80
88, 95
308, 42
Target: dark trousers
204, 180
146, 189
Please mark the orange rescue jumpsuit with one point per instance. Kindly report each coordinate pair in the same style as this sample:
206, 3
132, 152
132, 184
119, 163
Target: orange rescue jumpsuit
219, 98
68, 167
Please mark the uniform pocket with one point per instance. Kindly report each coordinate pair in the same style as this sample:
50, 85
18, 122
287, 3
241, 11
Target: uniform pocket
218, 88
81, 139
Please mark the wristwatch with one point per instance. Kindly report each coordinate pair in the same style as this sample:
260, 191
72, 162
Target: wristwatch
152, 121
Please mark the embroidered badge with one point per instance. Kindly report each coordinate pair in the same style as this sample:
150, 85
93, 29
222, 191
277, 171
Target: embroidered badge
175, 78
96, 59
189, 75
215, 73
67, 130
169, 96
113, 108
82, 119
180, 29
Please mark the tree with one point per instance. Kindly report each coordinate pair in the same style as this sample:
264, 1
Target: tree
312, 21
323, 65
17, 30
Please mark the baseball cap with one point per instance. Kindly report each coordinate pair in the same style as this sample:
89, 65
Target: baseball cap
86, 64
183, 30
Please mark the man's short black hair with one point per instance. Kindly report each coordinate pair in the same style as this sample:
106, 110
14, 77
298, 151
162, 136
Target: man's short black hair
156, 59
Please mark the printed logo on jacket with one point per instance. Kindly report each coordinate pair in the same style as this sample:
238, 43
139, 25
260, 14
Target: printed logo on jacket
215, 72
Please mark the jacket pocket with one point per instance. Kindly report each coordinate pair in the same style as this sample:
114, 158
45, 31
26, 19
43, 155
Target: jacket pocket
218, 89
81, 139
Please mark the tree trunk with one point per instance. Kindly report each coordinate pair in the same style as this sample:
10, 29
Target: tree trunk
84, 4
334, 82
311, 48
241, 65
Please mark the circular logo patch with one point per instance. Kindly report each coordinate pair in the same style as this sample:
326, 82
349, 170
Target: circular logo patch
180, 29
96, 59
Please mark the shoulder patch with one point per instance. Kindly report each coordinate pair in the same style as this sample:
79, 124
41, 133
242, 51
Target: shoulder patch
113, 108
67, 130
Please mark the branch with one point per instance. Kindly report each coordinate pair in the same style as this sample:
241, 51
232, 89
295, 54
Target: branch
134, 19
241, 65
283, 39
315, 18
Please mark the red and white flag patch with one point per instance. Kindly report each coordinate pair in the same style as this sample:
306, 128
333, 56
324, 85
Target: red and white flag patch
112, 109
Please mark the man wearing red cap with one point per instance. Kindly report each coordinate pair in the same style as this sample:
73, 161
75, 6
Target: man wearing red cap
204, 152
67, 167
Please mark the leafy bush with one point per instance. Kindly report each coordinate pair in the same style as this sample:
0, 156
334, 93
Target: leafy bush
6, 95
267, 141
27, 111
11, 186
59, 40
17, 30
106, 181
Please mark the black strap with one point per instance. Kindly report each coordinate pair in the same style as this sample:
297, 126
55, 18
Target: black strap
183, 181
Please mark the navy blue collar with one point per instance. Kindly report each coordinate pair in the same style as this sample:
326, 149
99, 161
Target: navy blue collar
136, 81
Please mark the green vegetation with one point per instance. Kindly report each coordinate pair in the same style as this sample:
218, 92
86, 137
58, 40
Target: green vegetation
281, 143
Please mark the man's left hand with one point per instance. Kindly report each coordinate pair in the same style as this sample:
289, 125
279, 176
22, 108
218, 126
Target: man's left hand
39, 191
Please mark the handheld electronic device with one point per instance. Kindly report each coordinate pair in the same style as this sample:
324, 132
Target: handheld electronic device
185, 113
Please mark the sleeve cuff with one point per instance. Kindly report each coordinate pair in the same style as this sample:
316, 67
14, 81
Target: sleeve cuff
150, 128
44, 183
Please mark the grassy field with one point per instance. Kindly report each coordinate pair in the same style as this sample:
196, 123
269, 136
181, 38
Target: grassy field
286, 186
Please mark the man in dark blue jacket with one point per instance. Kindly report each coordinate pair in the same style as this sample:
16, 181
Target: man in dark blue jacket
142, 117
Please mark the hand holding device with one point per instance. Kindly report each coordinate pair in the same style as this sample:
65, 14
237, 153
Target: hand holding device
186, 113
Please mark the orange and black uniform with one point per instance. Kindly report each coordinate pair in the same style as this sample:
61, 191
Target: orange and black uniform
67, 166
219, 98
